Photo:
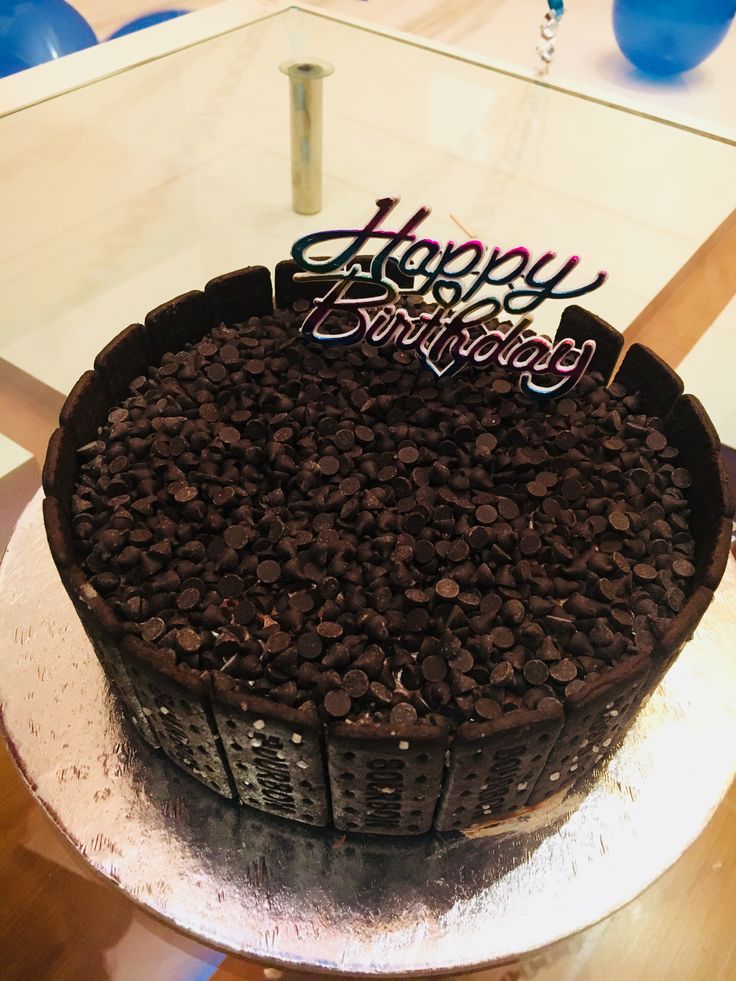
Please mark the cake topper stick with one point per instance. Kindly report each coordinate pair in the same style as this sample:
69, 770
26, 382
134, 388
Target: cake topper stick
305, 99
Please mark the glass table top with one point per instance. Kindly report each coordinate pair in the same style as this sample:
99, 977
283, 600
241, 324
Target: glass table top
138, 186
142, 185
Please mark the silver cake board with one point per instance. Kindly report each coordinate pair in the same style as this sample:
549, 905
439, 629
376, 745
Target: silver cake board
304, 898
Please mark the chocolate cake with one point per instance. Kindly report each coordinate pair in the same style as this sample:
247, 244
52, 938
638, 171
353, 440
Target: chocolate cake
334, 587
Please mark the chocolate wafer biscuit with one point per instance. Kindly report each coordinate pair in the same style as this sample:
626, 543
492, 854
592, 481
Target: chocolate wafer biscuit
643, 371
494, 765
595, 716
126, 357
581, 325
175, 700
383, 781
677, 634
58, 533
689, 428
236, 296
276, 753
176, 323
104, 633
60, 468
86, 407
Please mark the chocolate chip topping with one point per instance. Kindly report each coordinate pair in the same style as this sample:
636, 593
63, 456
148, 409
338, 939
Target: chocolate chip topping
344, 532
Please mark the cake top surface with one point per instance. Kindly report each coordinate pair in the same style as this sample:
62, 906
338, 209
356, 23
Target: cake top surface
348, 535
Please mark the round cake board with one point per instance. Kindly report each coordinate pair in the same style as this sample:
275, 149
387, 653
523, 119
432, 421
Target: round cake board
301, 897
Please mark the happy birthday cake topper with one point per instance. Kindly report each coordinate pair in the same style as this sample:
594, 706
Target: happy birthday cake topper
457, 278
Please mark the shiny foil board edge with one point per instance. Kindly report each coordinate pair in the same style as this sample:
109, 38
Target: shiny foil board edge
302, 897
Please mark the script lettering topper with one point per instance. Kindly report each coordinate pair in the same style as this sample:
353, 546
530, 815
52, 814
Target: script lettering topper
457, 278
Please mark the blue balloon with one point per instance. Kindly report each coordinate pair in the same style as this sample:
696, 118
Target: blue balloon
34, 31
10, 65
148, 20
666, 37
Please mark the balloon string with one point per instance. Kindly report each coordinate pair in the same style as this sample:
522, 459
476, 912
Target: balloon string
548, 32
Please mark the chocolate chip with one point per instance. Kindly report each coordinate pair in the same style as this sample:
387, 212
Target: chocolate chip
619, 521
349, 486
563, 671
244, 612
185, 493
503, 638
188, 640
530, 543
682, 478
408, 455
152, 629
338, 703
355, 683
188, 599
458, 551
329, 630
572, 489
329, 465
447, 588
278, 642
309, 646
487, 441
268, 571
683, 568
424, 552
235, 537
231, 586
656, 441
434, 668
486, 514
229, 434
507, 508
640, 477
502, 674
486, 708
381, 693
536, 672
645, 572
403, 714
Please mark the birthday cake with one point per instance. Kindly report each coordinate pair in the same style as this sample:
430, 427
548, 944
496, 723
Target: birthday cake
339, 587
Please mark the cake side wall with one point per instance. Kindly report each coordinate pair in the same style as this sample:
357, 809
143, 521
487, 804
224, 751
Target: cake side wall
276, 758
